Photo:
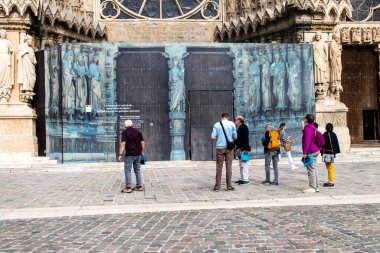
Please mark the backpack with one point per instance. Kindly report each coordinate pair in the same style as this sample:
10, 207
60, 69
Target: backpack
319, 140
274, 140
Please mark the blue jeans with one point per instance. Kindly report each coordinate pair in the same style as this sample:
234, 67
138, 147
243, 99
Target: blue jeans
128, 162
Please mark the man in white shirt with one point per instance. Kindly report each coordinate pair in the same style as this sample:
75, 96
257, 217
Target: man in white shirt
223, 153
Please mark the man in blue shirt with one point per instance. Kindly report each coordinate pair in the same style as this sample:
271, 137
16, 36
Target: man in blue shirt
222, 153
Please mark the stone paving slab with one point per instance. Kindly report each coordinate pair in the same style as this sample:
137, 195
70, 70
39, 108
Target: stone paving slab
277, 229
69, 211
172, 185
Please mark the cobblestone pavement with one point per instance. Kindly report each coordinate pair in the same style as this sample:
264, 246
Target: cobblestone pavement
172, 185
286, 229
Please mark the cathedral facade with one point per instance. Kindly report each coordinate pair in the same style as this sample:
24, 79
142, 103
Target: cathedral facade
326, 50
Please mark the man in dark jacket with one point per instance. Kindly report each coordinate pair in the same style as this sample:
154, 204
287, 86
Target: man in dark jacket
331, 147
133, 143
242, 145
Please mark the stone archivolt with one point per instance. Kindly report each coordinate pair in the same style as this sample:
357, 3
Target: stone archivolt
243, 20
7, 6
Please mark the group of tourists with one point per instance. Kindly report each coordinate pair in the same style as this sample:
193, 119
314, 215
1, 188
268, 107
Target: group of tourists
232, 140
232, 143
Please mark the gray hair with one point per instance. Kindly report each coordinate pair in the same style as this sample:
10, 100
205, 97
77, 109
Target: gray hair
128, 123
241, 118
269, 124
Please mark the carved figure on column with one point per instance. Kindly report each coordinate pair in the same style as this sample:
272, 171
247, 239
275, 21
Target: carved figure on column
6, 67
266, 83
335, 68
94, 75
278, 72
177, 86
81, 83
68, 94
320, 67
254, 87
26, 69
294, 78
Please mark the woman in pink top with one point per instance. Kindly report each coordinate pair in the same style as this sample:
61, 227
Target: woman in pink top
309, 147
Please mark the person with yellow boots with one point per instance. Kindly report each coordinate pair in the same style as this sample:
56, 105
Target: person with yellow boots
329, 151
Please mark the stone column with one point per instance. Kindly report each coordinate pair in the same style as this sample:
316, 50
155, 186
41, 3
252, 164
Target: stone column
177, 100
18, 139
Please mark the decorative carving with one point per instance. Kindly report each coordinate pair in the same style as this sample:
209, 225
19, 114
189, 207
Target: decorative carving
345, 35
320, 67
26, 69
335, 68
294, 77
177, 98
6, 67
376, 34
266, 83
367, 35
94, 79
278, 72
356, 35
259, 12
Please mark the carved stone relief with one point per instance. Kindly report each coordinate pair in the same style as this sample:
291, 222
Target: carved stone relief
320, 67
6, 67
26, 69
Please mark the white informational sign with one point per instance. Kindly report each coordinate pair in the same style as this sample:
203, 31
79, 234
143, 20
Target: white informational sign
88, 108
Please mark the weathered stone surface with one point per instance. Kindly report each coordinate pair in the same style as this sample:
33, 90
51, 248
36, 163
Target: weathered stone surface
160, 31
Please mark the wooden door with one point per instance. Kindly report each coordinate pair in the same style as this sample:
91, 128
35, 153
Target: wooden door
360, 84
143, 90
205, 109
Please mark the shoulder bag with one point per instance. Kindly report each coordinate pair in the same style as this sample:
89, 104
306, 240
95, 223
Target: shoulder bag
329, 158
230, 145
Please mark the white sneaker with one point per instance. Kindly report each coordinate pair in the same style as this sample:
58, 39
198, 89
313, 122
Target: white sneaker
294, 167
317, 190
309, 190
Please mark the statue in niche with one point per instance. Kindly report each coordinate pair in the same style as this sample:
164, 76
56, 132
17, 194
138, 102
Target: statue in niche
254, 87
177, 86
6, 67
68, 93
266, 83
54, 82
95, 85
26, 65
320, 67
294, 80
278, 72
81, 83
335, 67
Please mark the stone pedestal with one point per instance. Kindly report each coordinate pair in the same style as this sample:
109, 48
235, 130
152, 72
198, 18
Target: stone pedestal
18, 141
331, 111
177, 133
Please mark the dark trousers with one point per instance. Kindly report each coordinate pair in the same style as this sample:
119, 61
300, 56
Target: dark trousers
221, 156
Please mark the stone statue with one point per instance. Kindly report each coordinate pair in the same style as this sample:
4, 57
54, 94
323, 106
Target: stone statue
177, 86
54, 79
68, 93
94, 75
278, 72
6, 67
266, 88
81, 82
254, 87
294, 80
26, 65
335, 67
320, 67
